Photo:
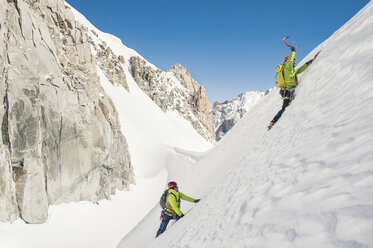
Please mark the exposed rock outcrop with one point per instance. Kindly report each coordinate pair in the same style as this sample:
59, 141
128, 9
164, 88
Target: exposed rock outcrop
8, 205
61, 138
176, 90
109, 63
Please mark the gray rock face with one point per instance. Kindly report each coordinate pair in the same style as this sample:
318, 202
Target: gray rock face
226, 125
176, 90
8, 205
109, 63
61, 138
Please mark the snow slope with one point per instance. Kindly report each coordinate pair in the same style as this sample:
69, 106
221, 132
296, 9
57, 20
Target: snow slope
306, 183
157, 142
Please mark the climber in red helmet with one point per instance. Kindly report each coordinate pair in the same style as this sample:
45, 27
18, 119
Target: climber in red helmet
287, 81
172, 206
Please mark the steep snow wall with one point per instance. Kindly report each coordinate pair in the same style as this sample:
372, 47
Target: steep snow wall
306, 183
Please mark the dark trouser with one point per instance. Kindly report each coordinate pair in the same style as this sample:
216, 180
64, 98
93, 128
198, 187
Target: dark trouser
284, 105
165, 219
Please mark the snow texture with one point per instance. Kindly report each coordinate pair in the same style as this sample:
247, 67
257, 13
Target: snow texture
308, 182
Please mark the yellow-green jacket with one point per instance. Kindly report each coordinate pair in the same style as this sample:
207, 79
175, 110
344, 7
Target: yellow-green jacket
173, 202
290, 73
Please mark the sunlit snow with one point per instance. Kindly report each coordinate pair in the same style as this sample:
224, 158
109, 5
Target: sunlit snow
308, 182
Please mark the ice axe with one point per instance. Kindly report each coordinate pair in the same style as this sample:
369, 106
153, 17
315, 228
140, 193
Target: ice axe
317, 54
286, 44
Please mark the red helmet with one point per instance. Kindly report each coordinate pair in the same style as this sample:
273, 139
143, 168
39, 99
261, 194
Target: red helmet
172, 185
286, 58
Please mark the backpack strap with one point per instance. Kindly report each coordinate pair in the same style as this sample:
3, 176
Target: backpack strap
173, 195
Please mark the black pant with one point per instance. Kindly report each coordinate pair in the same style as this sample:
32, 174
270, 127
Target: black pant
284, 105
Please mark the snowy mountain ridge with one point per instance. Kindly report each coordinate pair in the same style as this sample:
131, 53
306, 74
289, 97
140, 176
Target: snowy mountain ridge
227, 113
172, 90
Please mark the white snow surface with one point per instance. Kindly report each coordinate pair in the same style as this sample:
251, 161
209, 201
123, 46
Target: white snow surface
306, 183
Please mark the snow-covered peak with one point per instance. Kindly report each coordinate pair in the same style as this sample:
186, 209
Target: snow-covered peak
227, 113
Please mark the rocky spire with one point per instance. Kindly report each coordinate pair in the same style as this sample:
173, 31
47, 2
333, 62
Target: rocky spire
176, 90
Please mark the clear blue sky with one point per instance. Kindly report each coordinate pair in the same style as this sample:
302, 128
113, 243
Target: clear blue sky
227, 46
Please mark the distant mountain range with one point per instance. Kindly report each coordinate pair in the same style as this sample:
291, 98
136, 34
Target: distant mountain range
227, 113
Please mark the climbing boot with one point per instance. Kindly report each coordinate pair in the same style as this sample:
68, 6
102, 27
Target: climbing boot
270, 125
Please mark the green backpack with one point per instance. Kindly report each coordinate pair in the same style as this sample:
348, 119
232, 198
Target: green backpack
280, 81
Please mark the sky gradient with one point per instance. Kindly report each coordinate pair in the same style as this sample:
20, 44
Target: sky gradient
227, 46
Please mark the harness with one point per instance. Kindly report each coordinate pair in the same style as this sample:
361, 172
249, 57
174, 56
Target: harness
287, 91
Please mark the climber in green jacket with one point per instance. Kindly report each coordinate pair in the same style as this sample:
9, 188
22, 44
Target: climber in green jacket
289, 82
172, 209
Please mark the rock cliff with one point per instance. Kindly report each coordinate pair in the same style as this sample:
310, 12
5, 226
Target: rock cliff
175, 89
60, 134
